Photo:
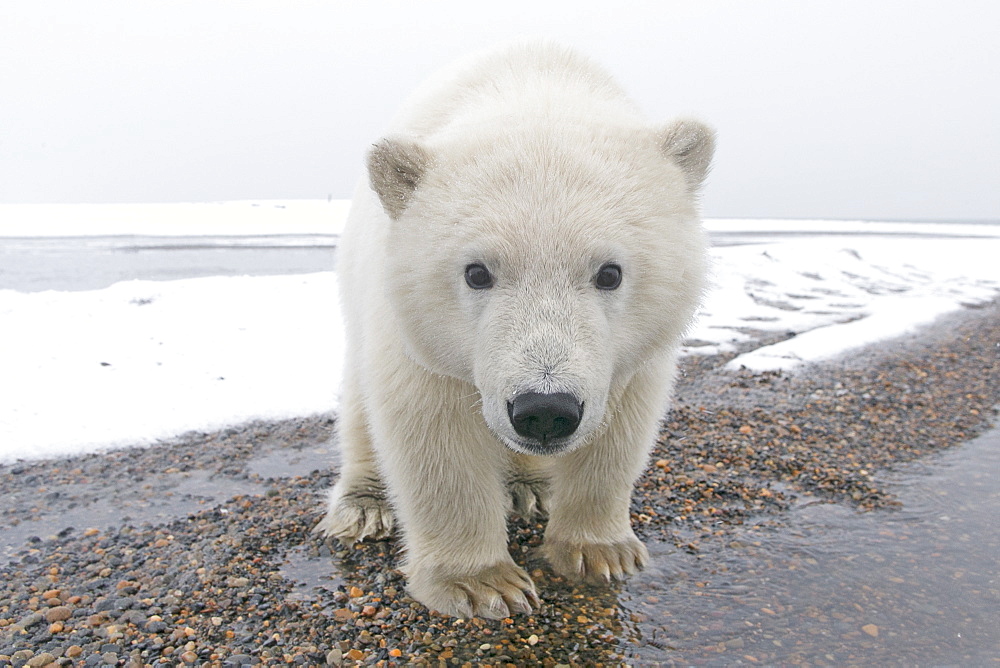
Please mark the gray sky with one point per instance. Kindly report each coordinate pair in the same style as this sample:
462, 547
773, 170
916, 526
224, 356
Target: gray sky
840, 109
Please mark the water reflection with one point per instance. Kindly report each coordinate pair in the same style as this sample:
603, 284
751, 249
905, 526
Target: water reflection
828, 585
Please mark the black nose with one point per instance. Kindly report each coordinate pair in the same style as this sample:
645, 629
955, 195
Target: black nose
544, 417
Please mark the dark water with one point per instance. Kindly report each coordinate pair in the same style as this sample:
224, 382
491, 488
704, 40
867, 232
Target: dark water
91, 263
828, 585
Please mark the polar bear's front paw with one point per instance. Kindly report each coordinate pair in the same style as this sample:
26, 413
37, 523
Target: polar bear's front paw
356, 513
596, 562
493, 592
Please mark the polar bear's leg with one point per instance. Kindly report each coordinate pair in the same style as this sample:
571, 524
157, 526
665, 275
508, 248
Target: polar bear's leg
529, 487
447, 477
589, 535
358, 506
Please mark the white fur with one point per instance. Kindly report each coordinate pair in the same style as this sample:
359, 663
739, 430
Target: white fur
531, 161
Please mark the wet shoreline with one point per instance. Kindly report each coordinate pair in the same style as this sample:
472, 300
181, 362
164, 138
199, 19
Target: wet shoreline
198, 551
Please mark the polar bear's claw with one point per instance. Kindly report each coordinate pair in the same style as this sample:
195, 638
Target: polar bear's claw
494, 592
354, 515
596, 562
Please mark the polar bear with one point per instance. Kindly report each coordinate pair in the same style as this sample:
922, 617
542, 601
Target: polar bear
516, 274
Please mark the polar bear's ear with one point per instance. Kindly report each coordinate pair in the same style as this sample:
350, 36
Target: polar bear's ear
691, 145
395, 167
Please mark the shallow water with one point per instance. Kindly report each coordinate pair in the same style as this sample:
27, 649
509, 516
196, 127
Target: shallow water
287, 463
157, 499
307, 573
825, 584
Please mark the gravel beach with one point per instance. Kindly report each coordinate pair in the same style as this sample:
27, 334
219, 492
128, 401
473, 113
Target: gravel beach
198, 551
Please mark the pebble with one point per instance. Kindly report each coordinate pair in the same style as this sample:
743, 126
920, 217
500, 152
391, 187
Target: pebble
58, 614
30, 620
42, 659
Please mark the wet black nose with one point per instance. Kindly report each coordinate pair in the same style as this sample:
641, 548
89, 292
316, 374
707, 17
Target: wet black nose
544, 417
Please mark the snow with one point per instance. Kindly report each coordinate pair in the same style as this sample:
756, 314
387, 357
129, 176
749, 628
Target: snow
146, 360
838, 293
142, 361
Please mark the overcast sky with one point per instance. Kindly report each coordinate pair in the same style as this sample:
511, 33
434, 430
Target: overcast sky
840, 109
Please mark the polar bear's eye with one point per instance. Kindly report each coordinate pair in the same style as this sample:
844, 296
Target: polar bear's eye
478, 277
608, 277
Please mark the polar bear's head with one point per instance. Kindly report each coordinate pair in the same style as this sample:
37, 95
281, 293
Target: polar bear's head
544, 266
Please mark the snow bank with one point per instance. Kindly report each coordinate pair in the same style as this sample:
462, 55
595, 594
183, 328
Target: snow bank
144, 360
